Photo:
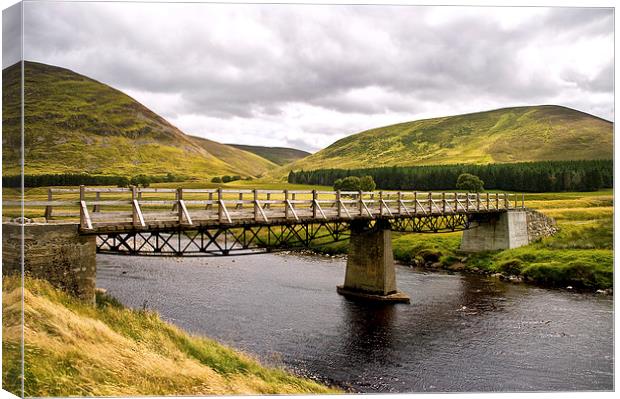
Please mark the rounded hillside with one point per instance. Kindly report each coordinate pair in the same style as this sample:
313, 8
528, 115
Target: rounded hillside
74, 124
519, 134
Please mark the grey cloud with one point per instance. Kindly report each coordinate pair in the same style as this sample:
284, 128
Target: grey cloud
603, 81
11, 35
315, 55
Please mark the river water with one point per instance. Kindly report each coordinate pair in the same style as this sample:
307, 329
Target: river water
460, 333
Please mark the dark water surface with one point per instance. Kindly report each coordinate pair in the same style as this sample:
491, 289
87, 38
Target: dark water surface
460, 332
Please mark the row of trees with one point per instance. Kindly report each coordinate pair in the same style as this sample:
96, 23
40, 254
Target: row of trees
225, 179
76, 179
542, 176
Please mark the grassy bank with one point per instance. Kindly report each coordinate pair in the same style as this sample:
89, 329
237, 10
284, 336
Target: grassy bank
579, 255
75, 349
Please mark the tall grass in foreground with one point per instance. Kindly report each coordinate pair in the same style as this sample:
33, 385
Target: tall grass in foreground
75, 349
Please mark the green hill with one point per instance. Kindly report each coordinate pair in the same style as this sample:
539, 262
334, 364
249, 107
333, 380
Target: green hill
74, 124
245, 162
277, 155
519, 134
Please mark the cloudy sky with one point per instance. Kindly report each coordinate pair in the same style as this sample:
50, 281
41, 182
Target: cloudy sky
305, 76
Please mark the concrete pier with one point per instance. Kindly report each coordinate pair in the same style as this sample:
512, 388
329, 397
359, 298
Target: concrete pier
492, 232
53, 252
370, 273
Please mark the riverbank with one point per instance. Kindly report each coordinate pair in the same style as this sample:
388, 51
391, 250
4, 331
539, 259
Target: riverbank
579, 256
75, 349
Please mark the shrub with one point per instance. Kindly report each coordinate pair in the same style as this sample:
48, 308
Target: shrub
140, 180
469, 182
216, 179
349, 183
367, 183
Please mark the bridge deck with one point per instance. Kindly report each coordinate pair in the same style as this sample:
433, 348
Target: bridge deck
130, 209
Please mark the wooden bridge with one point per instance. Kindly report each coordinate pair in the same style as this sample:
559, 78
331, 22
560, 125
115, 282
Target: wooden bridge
204, 222
147, 208
211, 222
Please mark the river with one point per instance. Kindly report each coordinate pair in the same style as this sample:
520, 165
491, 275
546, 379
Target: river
464, 333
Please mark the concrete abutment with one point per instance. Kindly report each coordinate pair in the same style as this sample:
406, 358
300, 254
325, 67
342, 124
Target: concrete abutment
505, 230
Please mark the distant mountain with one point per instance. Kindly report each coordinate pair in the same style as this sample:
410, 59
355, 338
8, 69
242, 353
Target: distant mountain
245, 162
519, 134
277, 155
75, 124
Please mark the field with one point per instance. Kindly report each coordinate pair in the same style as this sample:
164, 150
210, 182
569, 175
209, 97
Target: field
75, 349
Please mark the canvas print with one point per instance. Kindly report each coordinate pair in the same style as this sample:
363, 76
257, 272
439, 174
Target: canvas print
255, 199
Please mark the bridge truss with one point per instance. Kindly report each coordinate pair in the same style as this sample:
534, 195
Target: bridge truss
252, 239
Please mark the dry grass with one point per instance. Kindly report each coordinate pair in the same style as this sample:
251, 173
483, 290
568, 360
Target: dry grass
74, 349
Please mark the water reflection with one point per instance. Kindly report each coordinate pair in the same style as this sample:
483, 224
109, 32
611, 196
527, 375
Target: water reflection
369, 331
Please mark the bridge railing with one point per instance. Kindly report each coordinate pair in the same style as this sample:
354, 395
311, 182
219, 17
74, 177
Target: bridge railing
96, 207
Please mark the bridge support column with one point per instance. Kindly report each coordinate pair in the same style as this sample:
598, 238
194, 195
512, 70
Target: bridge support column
370, 273
53, 252
492, 232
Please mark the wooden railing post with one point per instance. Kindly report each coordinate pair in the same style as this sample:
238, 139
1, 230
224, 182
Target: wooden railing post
134, 211
516, 199
286, 211
496, 200
398, 202
220, 209
179, 207
522, 200
255, 195
430, 202
338, 204
48, 209
443, 200
268, 205
176, 201
506, 201
360, 203
380, 203
240, 204
210, 204
97, 207
467, 201
82, 199
488, 202
477, 201
456, 202
415, 202
314, 199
